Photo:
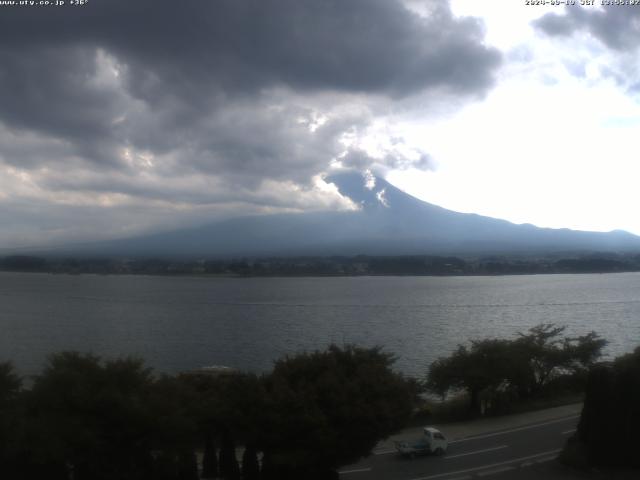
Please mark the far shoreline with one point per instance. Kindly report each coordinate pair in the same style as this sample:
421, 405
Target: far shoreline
239, 276
332, 266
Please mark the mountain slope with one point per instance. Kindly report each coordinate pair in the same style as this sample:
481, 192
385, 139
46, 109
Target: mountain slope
405, 217
389, 222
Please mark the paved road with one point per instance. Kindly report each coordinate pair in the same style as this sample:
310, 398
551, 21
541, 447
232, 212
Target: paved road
479, 456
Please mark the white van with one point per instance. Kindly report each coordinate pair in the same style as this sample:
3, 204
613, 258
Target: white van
432, 441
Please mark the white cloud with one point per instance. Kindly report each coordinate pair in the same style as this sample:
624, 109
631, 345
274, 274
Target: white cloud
546, 146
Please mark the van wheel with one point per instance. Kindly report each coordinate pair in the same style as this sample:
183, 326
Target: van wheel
439, 451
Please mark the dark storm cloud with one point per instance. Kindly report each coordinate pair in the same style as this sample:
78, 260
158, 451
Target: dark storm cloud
617, 27
240, 92
53, 91
186, 58
363, 45
265, 141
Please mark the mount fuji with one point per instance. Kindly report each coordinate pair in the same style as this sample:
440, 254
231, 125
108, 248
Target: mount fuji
388, 222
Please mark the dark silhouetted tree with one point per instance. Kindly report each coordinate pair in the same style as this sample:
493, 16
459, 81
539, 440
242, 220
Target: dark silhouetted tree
10, 421
250, 465
229, 468
327, 409
523, 366
210, 458
165, 466
548, 355
91, 417
481, 368
227, 406
187, 466
608, 428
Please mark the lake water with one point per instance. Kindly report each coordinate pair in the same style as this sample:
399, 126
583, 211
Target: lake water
181, 323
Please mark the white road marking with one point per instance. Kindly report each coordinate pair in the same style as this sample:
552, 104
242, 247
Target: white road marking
384, 452
359, 470
493, 471
477, 451
484, 467
514, 429
567, 432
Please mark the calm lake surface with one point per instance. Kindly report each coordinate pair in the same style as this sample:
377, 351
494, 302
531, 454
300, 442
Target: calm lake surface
181, 323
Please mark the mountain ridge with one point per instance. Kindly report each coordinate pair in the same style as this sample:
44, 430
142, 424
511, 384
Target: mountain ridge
388, 222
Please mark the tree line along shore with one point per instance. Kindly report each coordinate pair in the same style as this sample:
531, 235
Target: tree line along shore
332, 265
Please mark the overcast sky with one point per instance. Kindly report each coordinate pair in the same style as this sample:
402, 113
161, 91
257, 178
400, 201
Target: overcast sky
119, 117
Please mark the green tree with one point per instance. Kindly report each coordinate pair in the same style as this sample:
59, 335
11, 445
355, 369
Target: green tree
543, 348
228, 407
584, 351
481, 368
548, 355
328, 409
91, 418
173, 409
523, 366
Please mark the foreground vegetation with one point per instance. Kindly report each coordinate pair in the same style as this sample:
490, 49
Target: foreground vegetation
84, 418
